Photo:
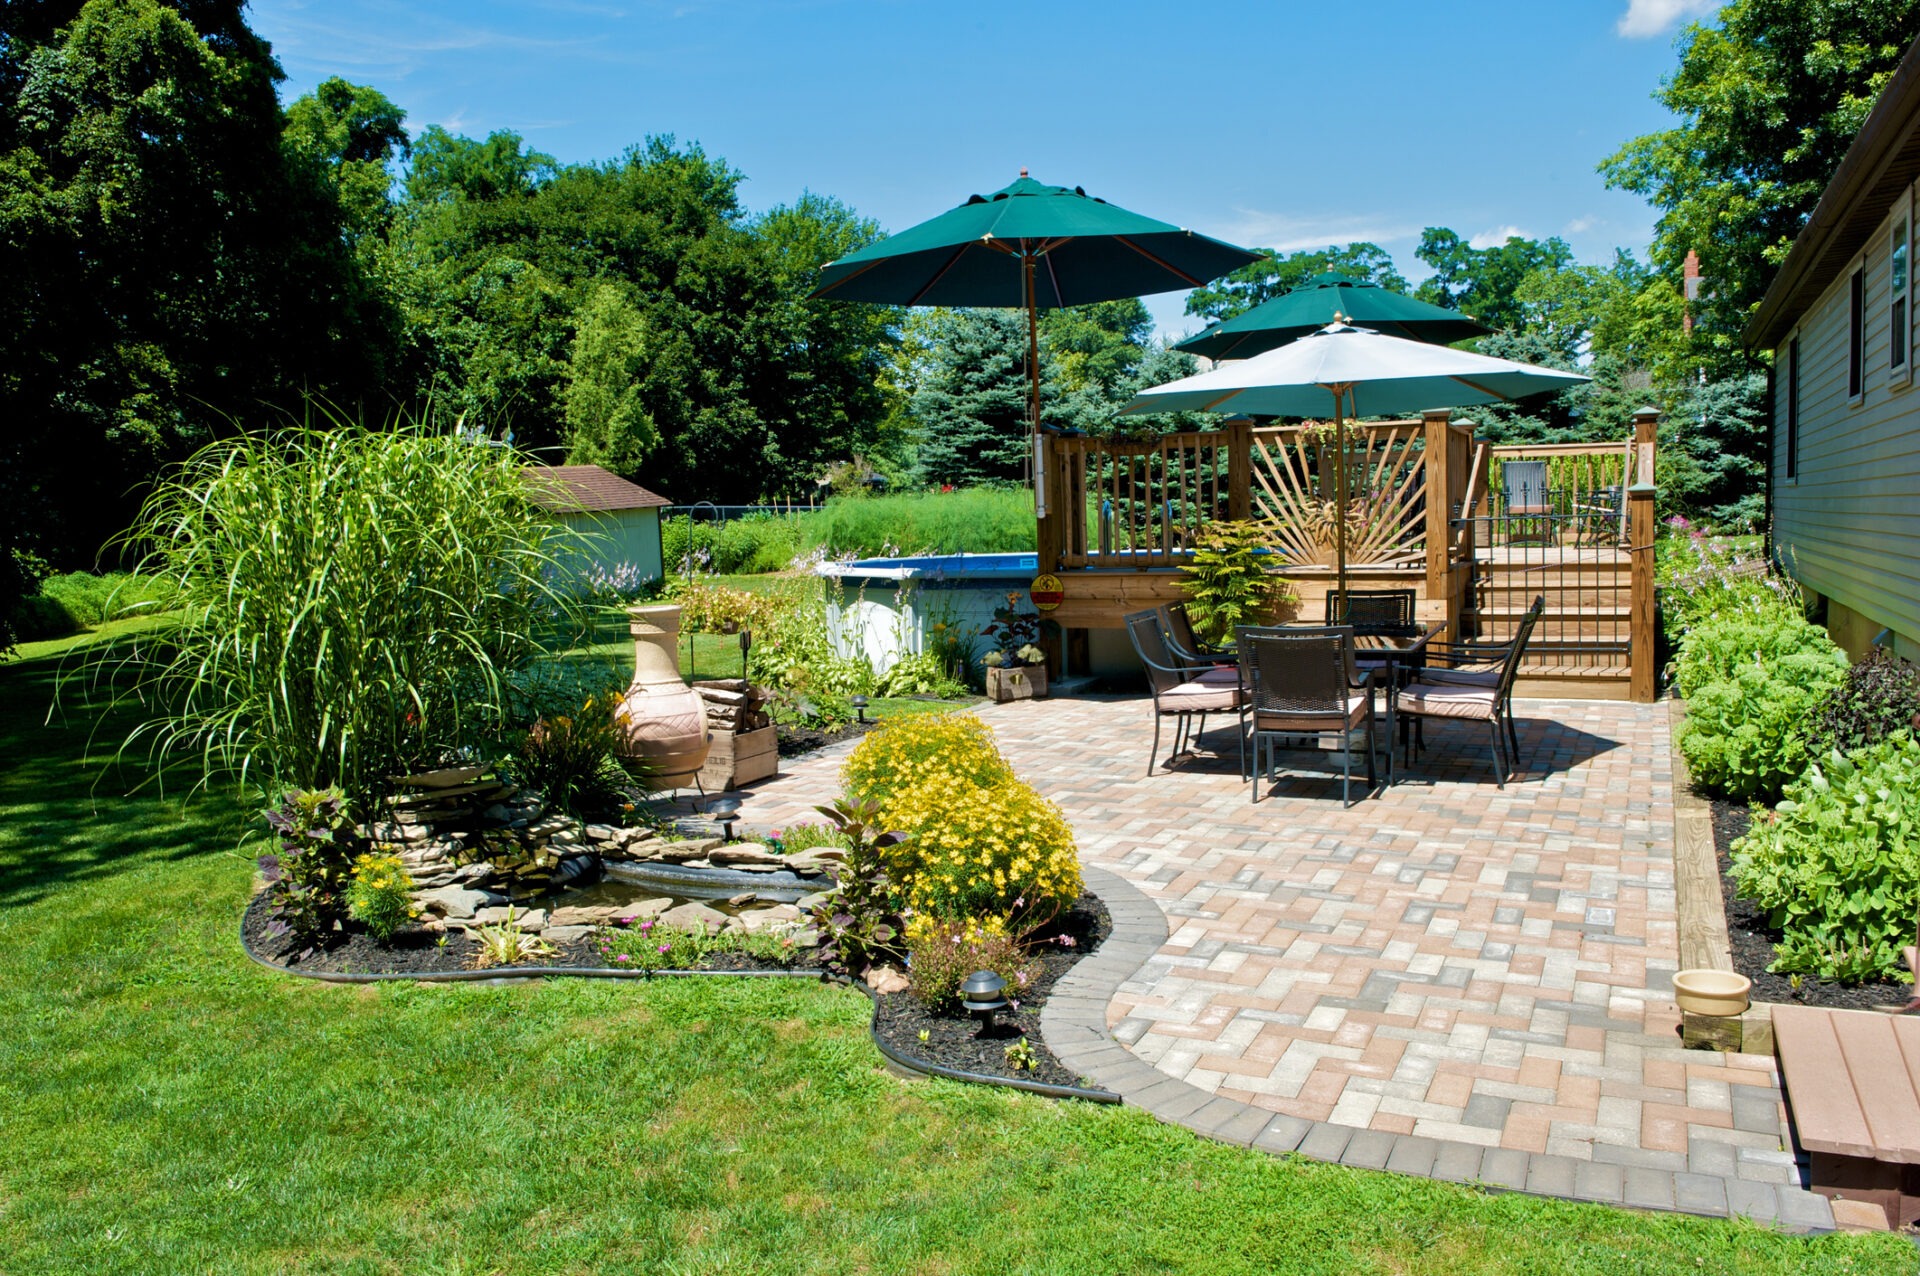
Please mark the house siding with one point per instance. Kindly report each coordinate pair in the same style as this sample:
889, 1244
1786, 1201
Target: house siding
1847, 524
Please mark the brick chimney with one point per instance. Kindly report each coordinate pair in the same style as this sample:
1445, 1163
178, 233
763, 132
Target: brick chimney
1690, 286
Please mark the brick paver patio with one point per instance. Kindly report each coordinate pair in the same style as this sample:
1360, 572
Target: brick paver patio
1451, 979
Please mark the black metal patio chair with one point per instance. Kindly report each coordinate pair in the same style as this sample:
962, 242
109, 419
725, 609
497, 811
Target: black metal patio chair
1178, 692
1303, 682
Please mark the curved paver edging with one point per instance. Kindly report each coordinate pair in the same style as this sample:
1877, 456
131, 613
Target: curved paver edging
1074, 1025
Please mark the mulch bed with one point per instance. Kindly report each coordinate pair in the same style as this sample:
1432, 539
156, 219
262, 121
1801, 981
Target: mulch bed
954, 1040
1753, 939
415, 952
794, 740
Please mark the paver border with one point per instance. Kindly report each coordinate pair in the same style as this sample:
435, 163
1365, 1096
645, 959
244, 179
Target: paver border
1074, 1025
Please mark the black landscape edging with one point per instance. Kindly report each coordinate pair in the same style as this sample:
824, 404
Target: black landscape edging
513, 974
928, 1068
503, 974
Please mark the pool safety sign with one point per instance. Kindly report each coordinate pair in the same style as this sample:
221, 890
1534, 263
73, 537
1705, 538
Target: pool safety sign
1046, 592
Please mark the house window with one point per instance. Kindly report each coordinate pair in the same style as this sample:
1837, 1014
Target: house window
1897, 311
1856, 315
1793, 407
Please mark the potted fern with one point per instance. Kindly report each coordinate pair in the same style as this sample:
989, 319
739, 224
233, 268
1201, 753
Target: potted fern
1229, 582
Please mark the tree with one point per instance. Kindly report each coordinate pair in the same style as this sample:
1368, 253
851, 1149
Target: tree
1247, 287
352, 133
607, 424
163, 268
1712, 454
1769, 101
1483, 282
970, 397
447, 167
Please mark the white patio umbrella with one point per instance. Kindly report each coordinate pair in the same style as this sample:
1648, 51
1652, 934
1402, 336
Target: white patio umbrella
1352, 372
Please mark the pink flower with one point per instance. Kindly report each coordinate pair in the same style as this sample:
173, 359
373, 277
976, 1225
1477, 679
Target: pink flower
666, 948
623, 957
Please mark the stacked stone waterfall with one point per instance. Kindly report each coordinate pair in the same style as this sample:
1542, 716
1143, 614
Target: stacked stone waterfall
477, 849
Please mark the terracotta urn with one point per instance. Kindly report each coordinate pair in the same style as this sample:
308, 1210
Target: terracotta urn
663, 721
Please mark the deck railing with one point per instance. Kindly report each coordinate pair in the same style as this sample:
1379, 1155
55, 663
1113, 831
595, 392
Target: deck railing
1423, 496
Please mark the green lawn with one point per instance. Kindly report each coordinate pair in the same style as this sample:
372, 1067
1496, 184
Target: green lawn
168, 1106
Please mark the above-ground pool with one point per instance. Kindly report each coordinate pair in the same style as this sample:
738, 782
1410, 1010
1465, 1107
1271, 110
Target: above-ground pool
886, 608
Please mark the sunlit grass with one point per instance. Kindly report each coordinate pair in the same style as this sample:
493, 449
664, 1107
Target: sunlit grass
168, 1106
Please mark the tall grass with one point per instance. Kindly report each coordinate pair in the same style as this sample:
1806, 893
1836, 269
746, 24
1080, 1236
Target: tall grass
352, 602
981, 520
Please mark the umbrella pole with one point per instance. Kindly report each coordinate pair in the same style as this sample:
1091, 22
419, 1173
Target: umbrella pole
1033, 368
1340, 505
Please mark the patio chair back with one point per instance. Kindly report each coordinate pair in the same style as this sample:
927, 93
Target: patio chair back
1511, 668
1179, 629
1371, 611
1297, 672
1149, 640
1525, 484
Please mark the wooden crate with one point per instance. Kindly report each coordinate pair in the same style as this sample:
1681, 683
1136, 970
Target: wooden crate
740, 759
1022, 682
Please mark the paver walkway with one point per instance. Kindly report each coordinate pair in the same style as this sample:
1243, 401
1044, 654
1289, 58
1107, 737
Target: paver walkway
1453, 979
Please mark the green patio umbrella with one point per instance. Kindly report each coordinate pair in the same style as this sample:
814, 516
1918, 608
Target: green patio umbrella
1033, 246
1326, 299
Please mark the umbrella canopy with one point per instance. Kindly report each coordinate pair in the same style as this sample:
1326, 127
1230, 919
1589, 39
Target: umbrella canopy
1343, 368
1376, 374
1033, 246
1083, 249
1326, 299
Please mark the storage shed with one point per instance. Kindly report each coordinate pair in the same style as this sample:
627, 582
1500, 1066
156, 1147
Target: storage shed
619, 522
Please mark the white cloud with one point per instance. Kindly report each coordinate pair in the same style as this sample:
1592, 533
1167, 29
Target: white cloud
1497, 236
1286, 234
1645, 18
1581, 225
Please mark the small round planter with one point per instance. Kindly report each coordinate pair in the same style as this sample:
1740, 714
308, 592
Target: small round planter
1712, 992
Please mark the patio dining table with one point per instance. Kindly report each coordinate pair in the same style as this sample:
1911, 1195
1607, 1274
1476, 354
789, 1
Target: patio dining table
1400, 651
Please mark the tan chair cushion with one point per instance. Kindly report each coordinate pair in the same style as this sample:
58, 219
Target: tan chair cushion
1462, 677
1200, 696
1356, 715
1443, 701
1220, 676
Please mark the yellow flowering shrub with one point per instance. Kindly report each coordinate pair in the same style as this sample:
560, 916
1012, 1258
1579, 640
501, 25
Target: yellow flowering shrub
941, 954
975, 851
379, 896
903, 752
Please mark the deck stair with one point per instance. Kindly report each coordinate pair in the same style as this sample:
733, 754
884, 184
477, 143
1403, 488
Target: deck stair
1582, 646
1852, 1079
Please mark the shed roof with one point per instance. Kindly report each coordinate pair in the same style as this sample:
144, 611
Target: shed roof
572, 488
1882, 162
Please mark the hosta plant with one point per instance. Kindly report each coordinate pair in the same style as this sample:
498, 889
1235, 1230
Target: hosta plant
1837, 864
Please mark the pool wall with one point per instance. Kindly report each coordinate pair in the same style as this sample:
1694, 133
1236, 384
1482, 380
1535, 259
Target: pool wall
885, 608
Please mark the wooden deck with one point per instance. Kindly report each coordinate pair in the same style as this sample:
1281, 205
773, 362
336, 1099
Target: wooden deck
1852, 1079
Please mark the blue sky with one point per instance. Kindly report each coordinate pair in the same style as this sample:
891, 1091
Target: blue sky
1283, 125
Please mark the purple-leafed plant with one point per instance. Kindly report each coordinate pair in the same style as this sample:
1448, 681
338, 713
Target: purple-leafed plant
308, 880
1880, 696
860, 924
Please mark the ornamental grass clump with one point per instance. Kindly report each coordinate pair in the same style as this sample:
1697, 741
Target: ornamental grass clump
902, 752
570, 758
351, 602
974, 851
1837, 864
941, 954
